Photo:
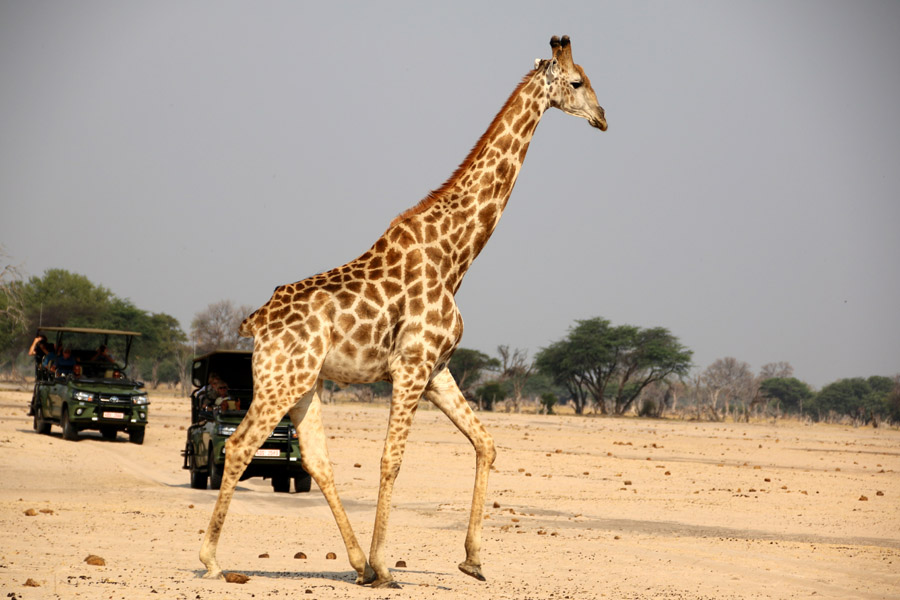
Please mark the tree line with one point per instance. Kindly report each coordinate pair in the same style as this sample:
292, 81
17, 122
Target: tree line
597, 367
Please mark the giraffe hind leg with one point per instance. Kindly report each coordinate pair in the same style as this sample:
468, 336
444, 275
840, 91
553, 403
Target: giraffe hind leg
444, 393
306, 416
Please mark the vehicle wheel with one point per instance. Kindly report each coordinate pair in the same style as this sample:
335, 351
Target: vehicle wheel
281, 484
215, 473
108, 433
70, 433
40, 425
136, 436
302, 483
198, 478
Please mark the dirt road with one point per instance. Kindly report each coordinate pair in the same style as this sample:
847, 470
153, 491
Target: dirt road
577, 508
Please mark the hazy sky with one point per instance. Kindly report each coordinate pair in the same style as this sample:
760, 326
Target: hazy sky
746, 195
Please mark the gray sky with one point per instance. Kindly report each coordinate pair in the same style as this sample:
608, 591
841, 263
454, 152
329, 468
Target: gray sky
746, 195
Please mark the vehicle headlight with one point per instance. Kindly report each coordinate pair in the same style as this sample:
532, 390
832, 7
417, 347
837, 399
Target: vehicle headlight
293, 433
140, 400
83, 396
225, 429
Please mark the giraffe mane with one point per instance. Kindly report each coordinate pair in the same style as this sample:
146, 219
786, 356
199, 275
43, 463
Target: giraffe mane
439, 193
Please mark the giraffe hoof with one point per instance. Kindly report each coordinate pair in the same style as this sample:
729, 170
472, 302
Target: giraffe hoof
213, 574
388, 584
472, 570
367, 577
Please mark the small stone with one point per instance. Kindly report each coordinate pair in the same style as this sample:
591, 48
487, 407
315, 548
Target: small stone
863, 498
31, 513
357, 465
401, 564
496, 504
300, 556
31, 583
94, 560
47, 511
627, 482
236, 578
879, 493
331, 556
264, 555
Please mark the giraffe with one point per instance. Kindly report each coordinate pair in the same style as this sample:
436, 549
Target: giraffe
390, 315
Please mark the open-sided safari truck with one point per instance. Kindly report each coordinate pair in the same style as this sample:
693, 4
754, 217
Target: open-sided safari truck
223, 391
83, 385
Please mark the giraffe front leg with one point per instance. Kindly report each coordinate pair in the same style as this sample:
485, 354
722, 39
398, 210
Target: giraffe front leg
444, 393
306, 416
403, 407
239, 450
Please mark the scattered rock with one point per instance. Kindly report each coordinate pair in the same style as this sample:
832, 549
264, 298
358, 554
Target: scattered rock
47, 511
31, 513
879, 493
863, 498
331, 556
300, 556
94, 560
627, 482
496, 504
357, 465
401, 564
31, 583
264, 555
236, 578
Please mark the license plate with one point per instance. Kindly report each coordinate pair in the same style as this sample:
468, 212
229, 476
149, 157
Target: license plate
113, 415
268, 452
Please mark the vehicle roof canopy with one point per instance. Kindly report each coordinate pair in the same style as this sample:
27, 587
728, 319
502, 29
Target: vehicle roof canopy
89, 330
233, 366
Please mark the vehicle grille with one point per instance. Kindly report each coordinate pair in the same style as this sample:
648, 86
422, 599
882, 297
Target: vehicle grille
114, 399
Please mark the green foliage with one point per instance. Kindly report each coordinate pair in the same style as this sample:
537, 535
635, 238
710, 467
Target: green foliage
489, 393
467, 366
789, 393
605, 362
64, 299
859, 398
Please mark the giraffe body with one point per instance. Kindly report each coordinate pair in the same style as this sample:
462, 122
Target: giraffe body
391, 315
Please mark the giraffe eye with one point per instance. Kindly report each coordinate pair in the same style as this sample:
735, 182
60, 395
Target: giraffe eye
577, 84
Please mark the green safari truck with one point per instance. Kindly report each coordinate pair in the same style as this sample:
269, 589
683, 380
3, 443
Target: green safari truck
223, 391
81, 384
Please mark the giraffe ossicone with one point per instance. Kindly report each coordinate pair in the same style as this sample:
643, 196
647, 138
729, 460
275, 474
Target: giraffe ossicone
390, 315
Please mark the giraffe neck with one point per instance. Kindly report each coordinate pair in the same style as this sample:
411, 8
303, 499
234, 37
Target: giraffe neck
455, 221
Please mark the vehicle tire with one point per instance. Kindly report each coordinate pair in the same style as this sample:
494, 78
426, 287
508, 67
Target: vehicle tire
70, 433
136, 435
215, 473
108, 433
199, 477
40, 425
302, 483
281, 484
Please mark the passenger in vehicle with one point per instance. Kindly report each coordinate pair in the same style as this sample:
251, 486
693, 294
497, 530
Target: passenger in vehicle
65, 363
102, 355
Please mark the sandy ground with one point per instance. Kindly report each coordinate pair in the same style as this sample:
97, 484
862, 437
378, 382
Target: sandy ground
577, 508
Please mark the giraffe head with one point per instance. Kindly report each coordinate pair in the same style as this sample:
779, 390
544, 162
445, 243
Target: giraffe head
568, 86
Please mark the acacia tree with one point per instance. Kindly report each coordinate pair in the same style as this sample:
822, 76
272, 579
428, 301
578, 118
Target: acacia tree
614, 362
216, 327
556, 362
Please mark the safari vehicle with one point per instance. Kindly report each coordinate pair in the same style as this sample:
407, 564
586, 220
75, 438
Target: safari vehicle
93, 394
223, 391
